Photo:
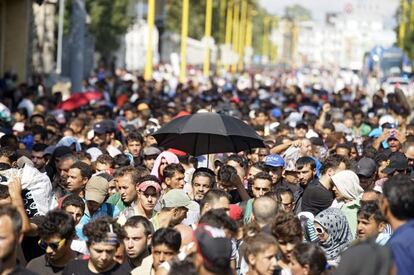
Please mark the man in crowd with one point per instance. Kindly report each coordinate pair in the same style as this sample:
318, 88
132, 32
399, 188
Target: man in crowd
165, 244
215, 199
38, 156
202, 182
104, 236
56, 234
306, 172
138, 234
134, 143
150, 154
174, 176
78, 175
371, 223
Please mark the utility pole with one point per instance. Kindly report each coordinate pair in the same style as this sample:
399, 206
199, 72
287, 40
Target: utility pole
78, 44
60, 37
184, 34
207, 38
149, 53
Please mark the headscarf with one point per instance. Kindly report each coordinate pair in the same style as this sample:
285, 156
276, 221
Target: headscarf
347, 183
68, 141
337, 227
170, 157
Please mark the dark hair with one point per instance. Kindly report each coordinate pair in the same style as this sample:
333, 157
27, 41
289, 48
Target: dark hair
263, 176
185, 267
332, 162
283, 190
148, 178
135, 173
311, 255
121, 160
4, 191
328, 125
168, 237
23, 112
39, 147
287, 228
15, 217
303, 161
172, 168
85, 169
134, 221
257, 243
239, 159
346, 146
57, 222
371, 209
204, 172
97, 230
219, 218
9, 140
134, 136
399, 192
81, 155
39, 130
260, 165
213, 195
225, 172
73, 200
106, 159
9, 153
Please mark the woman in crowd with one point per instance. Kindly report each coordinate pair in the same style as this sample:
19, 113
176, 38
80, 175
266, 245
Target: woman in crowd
308, 259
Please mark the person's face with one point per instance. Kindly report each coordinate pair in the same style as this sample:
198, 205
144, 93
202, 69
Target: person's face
134, 147
112, 187
342, 152
150, 140
126, 188
253, 171
409, 154
368, 227
8, 240
221, 203
394, 144
286, 248
75, 181
201, 185
261, 187
38, 139
38, 160
358, 120
240, 171
338, 195
354, 153
148, 198
75, 212
100, 139
135, 241
176, 181
326, 132
102, 255
63, 168
264, 262
149, 161
287, 203
306, 148
178, 215
161, 253
291, 176
262, 153
300, 132
129, 115
321, 232
102, 167
38, 121
163, 163
56, 247
276, 174
297, 269
261, 119
305, 174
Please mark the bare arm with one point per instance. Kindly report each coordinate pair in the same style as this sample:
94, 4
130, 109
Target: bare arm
322, 118
236, 181
15, 190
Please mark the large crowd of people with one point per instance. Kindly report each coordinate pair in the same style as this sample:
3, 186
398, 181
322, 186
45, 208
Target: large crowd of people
90, 191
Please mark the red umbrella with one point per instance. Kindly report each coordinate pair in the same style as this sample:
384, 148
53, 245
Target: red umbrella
78, 100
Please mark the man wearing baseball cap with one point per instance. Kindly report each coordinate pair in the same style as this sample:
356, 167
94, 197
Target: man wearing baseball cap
397, 164
175, 205
148, 192
275, 164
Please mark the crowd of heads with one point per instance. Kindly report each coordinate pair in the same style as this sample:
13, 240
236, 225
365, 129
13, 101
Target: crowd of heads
335, 176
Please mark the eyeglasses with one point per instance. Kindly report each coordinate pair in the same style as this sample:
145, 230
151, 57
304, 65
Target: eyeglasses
54, 246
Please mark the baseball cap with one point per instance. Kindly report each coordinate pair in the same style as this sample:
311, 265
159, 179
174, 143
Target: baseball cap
150, 151
143, 186
178, 198
96, 189
274, 161
396, 162
100, 128
366, 167
215, 248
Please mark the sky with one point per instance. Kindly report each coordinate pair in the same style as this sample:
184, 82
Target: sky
384, 9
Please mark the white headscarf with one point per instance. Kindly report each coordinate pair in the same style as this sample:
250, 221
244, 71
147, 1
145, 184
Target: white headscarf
347, 183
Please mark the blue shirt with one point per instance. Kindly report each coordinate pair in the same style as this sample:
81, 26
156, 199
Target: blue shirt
106, 210
402, 248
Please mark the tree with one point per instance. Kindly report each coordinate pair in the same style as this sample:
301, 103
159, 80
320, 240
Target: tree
298, 13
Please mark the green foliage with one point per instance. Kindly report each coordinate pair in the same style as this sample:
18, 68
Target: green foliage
298, 13
108, 21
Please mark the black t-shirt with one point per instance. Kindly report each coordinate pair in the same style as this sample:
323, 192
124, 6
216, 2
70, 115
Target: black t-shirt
19, 270
80, 267
42, 266
316, 198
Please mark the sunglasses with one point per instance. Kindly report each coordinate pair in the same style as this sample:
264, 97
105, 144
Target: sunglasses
54, 246
319, 230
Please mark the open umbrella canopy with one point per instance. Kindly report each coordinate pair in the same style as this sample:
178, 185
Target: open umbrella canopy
208, 133
78, 100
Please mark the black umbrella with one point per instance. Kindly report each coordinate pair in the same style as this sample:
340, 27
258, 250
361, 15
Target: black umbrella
208, 133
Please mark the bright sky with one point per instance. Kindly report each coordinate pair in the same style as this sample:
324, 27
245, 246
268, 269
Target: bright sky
379, 8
